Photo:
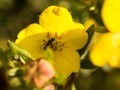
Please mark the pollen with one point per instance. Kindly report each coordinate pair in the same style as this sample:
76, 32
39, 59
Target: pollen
54, 42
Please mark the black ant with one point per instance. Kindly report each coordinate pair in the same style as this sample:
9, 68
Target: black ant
49, 43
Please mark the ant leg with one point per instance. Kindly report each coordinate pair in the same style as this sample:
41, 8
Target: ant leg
44, 43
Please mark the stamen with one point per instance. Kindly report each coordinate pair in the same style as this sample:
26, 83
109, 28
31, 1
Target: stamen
49, 35
54, 42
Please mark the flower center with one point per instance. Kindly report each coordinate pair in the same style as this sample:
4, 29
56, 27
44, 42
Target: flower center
54, 42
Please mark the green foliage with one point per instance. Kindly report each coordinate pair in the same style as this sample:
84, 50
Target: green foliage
100, 29
90, 32
18, 53
86, 63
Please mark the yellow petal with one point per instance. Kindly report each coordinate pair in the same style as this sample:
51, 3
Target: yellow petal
115, 61
107, 50
56, 19
111, 15
66, 62
77, 26
31, 29
75, 38
34, 44
21, 34
89, 22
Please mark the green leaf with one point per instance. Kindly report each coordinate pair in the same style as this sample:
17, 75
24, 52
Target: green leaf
18, 53
86, 63
90, 32
100, 29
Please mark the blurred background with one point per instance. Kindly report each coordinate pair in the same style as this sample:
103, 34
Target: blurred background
17, 14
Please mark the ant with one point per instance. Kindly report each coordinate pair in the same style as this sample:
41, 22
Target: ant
49, 43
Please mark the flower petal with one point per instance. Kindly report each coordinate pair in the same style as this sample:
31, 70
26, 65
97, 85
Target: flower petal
111, 14
56, 19
66, 62
31, 29
107, 50
75, 38
33, 44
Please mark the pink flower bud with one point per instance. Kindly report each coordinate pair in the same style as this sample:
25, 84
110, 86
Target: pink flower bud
46, 73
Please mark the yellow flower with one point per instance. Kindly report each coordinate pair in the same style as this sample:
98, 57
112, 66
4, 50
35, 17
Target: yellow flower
107, 50
58, 32
111, 15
